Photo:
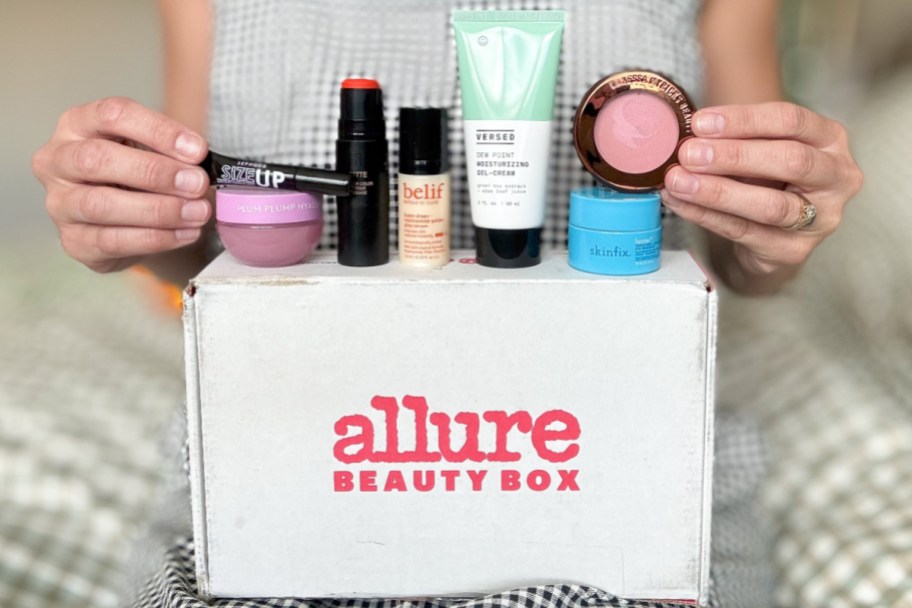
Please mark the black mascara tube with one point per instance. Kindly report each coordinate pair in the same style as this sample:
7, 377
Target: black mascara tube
361, 150
227, 171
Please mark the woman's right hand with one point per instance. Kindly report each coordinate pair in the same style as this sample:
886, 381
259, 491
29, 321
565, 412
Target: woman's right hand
122, 183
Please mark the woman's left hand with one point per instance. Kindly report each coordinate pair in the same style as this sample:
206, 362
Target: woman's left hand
749, 174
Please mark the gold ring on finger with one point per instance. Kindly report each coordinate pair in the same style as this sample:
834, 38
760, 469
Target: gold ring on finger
807, 215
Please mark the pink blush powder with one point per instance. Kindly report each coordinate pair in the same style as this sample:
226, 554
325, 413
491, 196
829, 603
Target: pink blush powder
636, 132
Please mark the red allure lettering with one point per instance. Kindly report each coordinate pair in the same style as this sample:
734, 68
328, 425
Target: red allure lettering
544, 438
395, 482
568, 481
469, 449
477, 478
365, 438
509, 480
521, 420
541, 434
452, 480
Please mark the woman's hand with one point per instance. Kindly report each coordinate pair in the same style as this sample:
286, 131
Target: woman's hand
122, 183
748, 175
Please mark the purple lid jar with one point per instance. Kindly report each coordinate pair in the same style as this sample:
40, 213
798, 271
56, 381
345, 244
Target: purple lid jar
261, 227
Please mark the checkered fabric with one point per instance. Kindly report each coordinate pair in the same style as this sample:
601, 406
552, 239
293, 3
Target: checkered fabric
278, 64
88, 381
176, 582
827, 366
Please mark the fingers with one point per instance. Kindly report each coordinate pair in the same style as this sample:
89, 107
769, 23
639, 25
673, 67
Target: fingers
768, 144
108, 228
781, 160
760, 204
119, 117
775, 120
122, 183
765, 242
103, 205
109, 248
103, 161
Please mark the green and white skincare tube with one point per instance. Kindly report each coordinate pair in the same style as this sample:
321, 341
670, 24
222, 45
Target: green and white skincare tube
508, 73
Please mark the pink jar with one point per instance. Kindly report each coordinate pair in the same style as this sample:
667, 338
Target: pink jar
262, 227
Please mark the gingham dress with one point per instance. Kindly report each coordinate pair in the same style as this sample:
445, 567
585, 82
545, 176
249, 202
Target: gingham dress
277, 66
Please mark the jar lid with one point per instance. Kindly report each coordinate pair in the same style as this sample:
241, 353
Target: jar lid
607, 209
239, 205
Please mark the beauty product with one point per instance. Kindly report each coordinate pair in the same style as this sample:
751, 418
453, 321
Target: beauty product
424, 187
507, 73
228, 171
362, 151
628, 128
261, 227
612, 232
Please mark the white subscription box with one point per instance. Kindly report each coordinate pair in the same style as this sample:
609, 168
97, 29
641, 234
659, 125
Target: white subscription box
399, 432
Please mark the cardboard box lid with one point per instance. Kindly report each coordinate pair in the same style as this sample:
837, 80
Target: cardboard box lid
677, 267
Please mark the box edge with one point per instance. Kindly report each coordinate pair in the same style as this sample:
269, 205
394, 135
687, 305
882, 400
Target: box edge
709, 443
195, 440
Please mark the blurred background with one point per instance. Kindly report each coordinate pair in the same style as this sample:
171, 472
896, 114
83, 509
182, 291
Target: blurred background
91, 370
54, 55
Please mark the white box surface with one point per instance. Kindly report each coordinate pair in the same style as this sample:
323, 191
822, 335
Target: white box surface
592, 397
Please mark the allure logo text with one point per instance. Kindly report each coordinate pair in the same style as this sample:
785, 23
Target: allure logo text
491, 450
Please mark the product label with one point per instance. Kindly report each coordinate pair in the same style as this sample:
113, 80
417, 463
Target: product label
424, 219
646, 250
240, 175
495, 450
507, 166
363, 183
638, 251
267, 209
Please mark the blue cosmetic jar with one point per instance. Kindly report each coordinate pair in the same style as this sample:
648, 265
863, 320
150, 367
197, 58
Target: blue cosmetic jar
616, 233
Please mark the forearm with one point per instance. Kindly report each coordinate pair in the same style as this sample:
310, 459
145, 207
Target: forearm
187, 38
740, 49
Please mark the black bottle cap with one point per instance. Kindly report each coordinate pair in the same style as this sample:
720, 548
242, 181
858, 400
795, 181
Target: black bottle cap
508, 248
423, 141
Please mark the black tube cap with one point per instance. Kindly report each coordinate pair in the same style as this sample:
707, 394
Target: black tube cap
423, 141
508, 248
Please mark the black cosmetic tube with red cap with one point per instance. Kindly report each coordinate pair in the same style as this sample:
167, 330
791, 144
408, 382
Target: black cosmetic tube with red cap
362, 151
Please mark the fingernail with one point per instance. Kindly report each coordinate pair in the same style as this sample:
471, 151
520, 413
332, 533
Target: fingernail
670, 201
189, 180
684, 183
189, 145
697, 154
709, 123
187, 234
195, 211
